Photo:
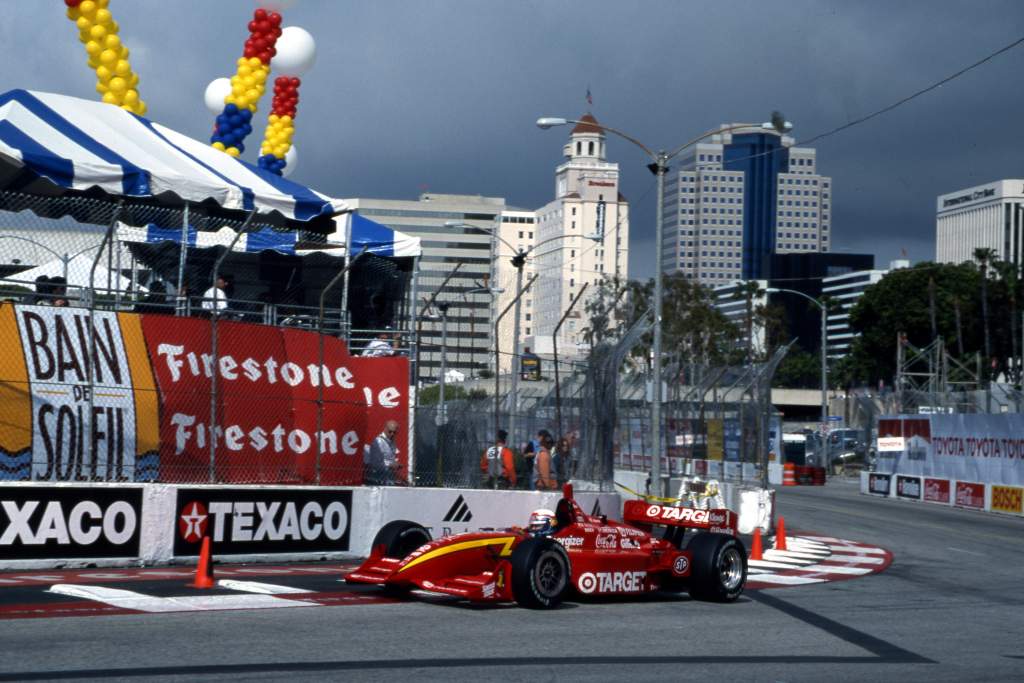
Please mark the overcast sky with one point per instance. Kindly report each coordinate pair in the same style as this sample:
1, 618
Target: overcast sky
444, 94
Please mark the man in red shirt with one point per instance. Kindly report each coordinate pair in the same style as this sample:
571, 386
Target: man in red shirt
498, 465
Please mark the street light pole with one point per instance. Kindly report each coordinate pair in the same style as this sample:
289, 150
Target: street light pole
518, 261
442, 415
824, 349
660, 168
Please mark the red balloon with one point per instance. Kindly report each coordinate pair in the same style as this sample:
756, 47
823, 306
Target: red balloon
263, 26
72, 3
260, 14
276, 33
275, 18
252, 27
296, 83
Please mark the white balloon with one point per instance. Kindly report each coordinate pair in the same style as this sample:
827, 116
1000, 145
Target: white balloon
216, 91
274, 5
296, 52
291, 158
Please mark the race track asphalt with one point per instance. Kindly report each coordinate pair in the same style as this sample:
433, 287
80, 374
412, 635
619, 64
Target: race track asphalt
948, 608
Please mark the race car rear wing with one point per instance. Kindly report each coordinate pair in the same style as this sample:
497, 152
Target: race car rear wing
722, 521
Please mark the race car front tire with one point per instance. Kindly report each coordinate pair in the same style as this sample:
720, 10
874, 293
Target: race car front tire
718, 567
400, 538
540, 573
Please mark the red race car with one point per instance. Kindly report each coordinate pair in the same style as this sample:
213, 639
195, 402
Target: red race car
572, 551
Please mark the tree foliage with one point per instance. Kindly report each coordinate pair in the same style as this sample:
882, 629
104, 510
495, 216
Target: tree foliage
905, 301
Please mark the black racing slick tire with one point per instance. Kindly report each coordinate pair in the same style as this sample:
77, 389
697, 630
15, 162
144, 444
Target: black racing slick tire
718, 567
400, 538
540, 573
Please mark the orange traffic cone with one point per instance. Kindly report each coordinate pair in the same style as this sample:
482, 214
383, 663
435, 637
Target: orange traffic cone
789, 474
756, 552
780, 535
204, 571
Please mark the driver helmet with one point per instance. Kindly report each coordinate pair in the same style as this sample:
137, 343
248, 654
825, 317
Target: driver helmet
542, 522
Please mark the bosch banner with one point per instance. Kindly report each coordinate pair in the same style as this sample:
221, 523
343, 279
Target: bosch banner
133, 401
42, 522
261, 521
970, 447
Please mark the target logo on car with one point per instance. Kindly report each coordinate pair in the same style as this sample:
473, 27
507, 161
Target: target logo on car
681, 566
587, 583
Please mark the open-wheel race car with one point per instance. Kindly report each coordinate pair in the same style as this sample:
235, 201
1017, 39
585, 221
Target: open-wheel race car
538, 567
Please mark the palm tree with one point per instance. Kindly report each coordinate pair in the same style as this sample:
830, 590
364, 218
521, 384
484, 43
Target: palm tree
747, 291
1009, 274
984, 256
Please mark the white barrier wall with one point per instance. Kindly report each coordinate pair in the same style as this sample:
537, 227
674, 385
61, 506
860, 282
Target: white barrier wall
108, 525
970, 495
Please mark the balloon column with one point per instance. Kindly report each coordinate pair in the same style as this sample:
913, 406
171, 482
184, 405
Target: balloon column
296, 51
247, 85
97, 30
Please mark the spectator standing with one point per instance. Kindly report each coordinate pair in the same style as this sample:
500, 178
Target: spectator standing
545, 471
498, 464
563, 461
526, 477
380, 457
216, 297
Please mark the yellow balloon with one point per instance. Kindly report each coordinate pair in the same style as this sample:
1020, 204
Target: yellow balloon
141, 109
123, 52
133, 81
232, 151
102, 4
93, 63
252, 94
249, 81
219, 145
83, 23
113, 42
103, 73
101, 88
118, 85
103, 16
108, 58
110, 98
87, 7
73, 13
113, 27
131, 97
122, 67
255, 62
244, 70
93, 47
98, 32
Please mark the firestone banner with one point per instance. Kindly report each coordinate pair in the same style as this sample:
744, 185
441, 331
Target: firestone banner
133, 402
978, 448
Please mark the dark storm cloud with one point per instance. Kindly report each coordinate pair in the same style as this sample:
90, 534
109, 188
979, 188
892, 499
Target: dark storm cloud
444, 94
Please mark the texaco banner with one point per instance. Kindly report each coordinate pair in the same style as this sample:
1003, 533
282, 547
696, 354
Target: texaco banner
979, 448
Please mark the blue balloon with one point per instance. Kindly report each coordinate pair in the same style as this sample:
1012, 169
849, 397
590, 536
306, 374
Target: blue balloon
231, 108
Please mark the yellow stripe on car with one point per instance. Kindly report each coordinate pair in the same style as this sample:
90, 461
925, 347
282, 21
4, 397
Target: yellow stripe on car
505, 541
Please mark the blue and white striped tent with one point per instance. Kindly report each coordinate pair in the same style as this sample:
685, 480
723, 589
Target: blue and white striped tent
80, 144
378, 239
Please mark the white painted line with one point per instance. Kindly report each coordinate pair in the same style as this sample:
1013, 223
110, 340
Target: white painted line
836, 569
262, 588
969, 552
787, 580
147, 603
771, 565
754, 570
796, 554
824, 539
856, 559
856, 550
801, 541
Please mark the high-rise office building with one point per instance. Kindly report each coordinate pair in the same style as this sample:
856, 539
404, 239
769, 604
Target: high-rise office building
845, 291
738, 197
985, 216
455, 231
582, 237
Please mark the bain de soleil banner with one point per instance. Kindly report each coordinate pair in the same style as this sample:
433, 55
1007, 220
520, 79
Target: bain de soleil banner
968, 447
141, 409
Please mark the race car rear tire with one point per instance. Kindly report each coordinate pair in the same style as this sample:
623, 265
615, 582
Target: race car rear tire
540, 573
400, 538
718, 567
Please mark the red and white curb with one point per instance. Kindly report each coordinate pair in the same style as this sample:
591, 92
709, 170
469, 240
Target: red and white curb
815, 559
